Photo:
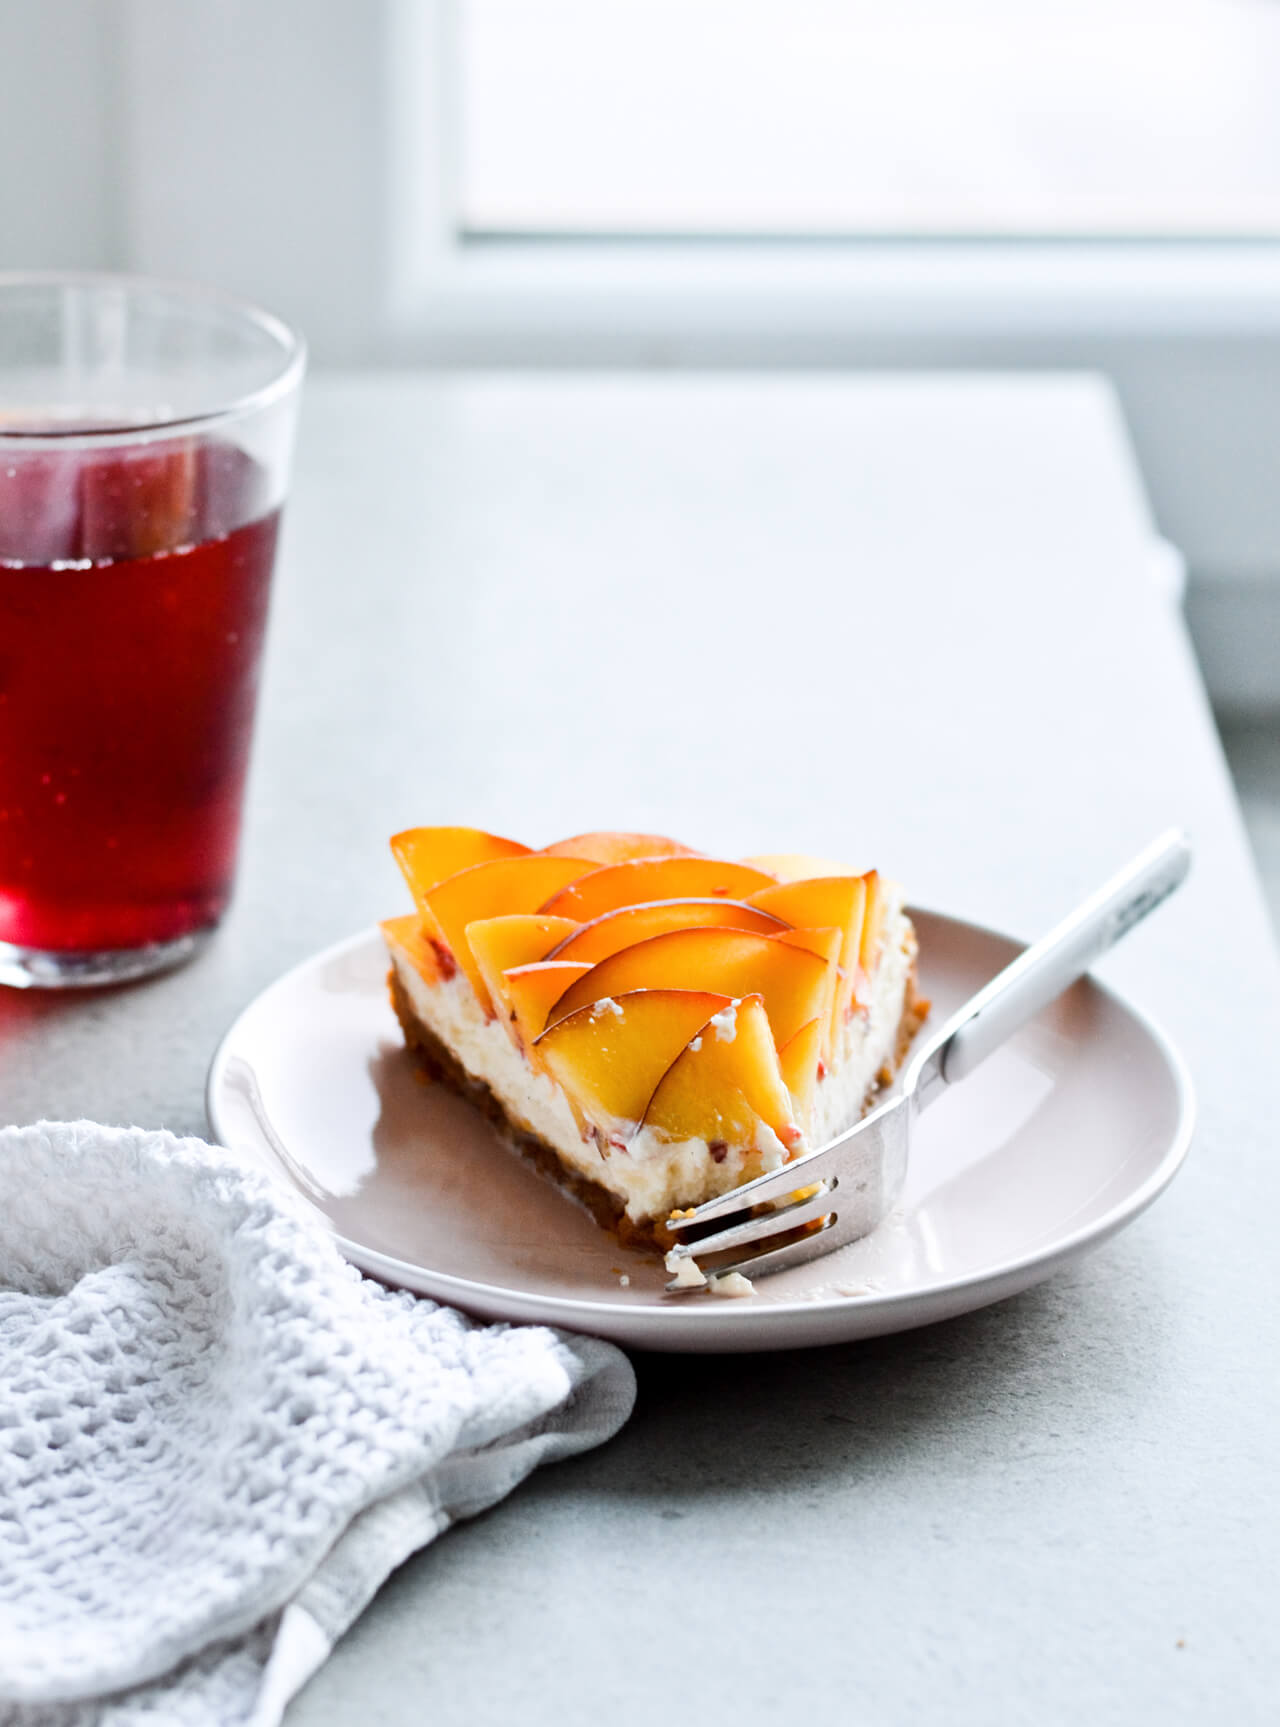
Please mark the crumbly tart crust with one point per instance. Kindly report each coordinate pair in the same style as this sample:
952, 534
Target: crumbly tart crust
438, 1064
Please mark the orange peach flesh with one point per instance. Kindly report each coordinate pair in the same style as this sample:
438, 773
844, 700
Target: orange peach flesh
799, 1060
530, 992
499, 943
795, 984
821, 902
497, 888
611, 1055
826, 944
642, 880
611, 848
724, 1084
427, 856
614, 930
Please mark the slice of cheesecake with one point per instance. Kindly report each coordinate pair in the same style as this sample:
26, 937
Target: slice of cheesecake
652, 1026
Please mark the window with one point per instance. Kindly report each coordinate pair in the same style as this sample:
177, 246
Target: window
856, 118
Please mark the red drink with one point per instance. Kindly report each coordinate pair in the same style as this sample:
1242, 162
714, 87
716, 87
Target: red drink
133, 601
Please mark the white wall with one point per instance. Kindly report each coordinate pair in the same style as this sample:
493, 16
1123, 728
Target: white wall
59, 189
265, 171
282, 147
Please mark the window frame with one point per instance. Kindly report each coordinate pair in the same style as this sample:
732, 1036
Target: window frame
455, 298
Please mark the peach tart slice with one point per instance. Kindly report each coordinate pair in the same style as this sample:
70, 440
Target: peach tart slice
650, 1024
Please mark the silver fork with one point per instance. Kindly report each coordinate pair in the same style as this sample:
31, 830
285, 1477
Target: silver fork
842, 1190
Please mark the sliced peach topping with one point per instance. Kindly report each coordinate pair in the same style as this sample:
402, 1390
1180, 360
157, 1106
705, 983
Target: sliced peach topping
406, 933
824, 902
799, 1060
614, 930
826, 943
657, 986
493, 889
610, 1055
725, 1083
401, 929
873, 923
530, 992
518, 938
428, 856
612, 848
641, 880
795, 984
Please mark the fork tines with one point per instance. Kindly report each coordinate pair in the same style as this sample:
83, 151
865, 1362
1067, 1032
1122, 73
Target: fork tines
773, 1230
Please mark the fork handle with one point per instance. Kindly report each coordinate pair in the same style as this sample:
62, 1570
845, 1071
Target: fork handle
1041, 972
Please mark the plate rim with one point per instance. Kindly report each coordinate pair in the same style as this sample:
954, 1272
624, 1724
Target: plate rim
689, 1323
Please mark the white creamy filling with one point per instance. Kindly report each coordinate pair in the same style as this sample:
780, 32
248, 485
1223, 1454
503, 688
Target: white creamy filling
651, 1175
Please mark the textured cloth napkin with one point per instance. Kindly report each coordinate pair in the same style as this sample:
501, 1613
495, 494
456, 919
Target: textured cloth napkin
217, 1438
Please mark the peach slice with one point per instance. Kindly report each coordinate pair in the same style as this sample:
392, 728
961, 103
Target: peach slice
872, 924
798, 1060
401, 929
493, 889
795, 984
406, 933
519, 938
826, 943
530, 992
428, 856
614, 930
795, 866
820, 902
724, 1084
640, 880
610, 1055
612, 848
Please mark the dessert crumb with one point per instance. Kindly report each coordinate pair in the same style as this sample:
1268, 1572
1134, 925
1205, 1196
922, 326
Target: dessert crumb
624, 1280
686, 1271
732, 1283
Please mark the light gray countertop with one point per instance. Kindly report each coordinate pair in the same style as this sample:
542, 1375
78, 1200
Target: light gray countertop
909, 621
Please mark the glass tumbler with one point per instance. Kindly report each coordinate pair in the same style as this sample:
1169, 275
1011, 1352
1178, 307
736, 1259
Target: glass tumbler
146, 430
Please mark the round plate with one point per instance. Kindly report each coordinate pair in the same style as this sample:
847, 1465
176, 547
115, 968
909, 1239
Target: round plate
1060, 1139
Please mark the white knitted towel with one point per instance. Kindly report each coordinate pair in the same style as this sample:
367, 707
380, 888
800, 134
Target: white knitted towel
217, 1438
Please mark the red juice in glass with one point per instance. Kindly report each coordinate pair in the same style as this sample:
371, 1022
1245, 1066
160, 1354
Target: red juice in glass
145, 432
129, 658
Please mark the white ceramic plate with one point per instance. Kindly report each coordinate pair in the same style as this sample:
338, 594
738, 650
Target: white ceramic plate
1062, 1138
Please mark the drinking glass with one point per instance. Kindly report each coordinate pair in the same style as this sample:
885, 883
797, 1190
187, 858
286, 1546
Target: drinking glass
146, 430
